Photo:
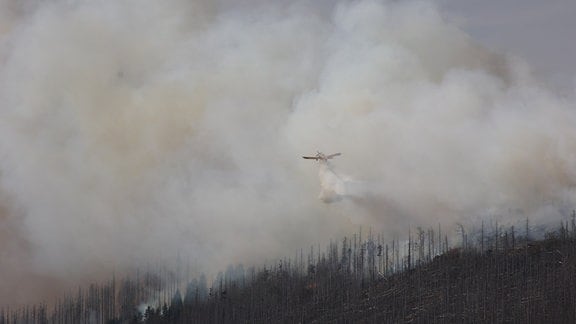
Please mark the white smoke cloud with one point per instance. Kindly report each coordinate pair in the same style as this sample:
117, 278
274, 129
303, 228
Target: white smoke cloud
333, 186
130, 130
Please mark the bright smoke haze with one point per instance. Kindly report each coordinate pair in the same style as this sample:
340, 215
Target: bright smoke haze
131, 131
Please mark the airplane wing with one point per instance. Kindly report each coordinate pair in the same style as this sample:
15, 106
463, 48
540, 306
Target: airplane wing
310, 157
333, 155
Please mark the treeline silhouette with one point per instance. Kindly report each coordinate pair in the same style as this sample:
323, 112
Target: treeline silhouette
495, 275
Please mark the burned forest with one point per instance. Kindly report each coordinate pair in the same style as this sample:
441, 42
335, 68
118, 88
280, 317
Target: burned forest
500, 275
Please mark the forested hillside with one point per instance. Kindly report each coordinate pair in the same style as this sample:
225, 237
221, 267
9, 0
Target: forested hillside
501, 277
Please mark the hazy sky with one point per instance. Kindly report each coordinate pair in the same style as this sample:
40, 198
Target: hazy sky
542, 32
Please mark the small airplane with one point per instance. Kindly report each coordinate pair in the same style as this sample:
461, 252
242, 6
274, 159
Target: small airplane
322, 157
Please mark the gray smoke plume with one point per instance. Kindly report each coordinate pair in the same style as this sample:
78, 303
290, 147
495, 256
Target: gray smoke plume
131, 131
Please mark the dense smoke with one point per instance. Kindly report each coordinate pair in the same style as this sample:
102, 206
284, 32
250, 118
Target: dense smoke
133, 131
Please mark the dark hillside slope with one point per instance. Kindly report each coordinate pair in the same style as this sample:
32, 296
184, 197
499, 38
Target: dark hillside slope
503, 280
535, 283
